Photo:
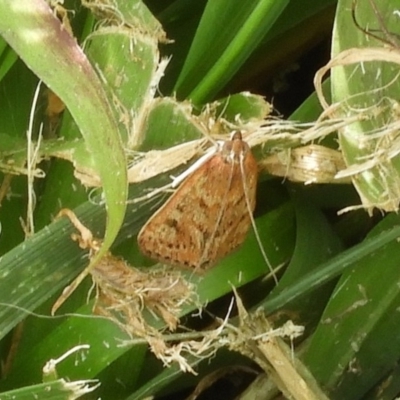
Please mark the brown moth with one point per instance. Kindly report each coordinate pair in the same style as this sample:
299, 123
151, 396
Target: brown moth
209, 214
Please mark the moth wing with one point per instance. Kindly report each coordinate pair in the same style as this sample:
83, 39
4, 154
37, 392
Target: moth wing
206, 218
235, 218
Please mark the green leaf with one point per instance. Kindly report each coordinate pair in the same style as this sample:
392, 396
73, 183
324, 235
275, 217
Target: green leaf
358, 321
56, 390
315, 243
40, 40
245, 25
369, 82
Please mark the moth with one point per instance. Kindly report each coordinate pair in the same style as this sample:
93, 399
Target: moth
208, 216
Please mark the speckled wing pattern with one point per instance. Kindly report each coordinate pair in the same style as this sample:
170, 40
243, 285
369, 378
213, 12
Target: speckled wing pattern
207, 217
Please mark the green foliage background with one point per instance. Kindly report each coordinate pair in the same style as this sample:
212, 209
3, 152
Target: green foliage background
341, 278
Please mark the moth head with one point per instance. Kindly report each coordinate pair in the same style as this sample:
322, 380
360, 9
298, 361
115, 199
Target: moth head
235, 149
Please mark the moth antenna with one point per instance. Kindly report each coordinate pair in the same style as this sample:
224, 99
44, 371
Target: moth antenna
253, 223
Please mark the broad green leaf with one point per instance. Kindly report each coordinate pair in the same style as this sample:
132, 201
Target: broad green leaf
359, 322
369, 82
38, 37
